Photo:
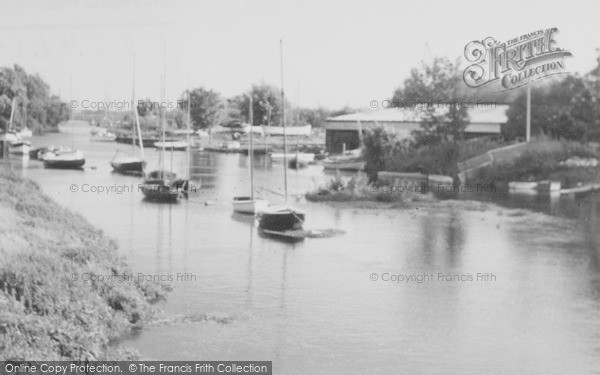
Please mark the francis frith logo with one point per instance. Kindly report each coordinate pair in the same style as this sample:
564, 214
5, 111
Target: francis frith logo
515, 62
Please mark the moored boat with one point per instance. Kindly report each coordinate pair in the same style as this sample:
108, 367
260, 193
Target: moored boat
281, 218
172, 145
158, 187
127, 164
72, 159
131, 164
249, 205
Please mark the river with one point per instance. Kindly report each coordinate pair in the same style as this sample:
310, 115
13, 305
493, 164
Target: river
352, 303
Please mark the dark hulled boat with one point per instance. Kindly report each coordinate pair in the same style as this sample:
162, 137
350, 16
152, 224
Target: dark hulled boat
128, 164
158, 187
64, 160
281, 219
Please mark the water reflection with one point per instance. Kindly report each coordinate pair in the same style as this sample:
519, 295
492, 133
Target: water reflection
311, 307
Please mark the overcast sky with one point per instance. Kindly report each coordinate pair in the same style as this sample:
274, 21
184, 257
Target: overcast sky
335, 53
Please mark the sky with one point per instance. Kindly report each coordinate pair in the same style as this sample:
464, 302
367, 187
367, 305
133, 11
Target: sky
336, 53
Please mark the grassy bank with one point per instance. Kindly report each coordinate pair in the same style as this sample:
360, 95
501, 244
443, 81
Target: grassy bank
356, 189
47, 313
385, 151
545, 160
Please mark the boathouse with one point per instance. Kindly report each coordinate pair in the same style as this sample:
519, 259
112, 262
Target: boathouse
342, 132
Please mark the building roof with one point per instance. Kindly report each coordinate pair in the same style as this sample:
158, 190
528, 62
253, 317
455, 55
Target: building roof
480, 114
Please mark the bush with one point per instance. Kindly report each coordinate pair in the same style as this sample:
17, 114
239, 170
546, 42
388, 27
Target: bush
541, 161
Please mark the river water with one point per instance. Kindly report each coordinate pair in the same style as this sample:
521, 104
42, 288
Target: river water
315, 308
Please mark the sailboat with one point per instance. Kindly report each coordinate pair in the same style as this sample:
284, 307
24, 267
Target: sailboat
280, 220
245, 204
17, 145
130, 163
184, 184
158, 185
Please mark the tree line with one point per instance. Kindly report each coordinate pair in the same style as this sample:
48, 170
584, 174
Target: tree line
29, 99
209, 108
564, 107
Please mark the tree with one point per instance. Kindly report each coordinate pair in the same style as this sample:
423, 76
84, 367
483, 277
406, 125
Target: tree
34, 105
266, 106
441, 91
206, 107
560, 108
592, 82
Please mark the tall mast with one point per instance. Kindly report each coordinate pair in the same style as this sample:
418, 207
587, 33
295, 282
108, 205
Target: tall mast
189, 101
137, 119
251, 120
189, 124
285, 184
163, 118
133, 124
12, 114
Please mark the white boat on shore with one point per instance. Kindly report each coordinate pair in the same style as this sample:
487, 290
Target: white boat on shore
103, 136
350, 160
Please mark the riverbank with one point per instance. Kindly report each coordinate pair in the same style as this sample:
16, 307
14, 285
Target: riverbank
54, 304
570, 163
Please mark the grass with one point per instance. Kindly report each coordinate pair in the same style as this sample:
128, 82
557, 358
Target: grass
45, 314
357, 189
541, 161
474, 147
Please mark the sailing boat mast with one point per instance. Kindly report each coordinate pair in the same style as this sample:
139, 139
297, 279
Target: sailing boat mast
189, 100
251, 120
12, 115
285, 183
135, 110
137, 120
162, 110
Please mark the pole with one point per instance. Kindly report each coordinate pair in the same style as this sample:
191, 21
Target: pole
189, 101
12, 115
528, 130
251, 120
135, 110
283, 124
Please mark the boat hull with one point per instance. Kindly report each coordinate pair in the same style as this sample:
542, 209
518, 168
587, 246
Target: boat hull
160, 193
281, 220
128, 167
171, 146
64, 164
245, 205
